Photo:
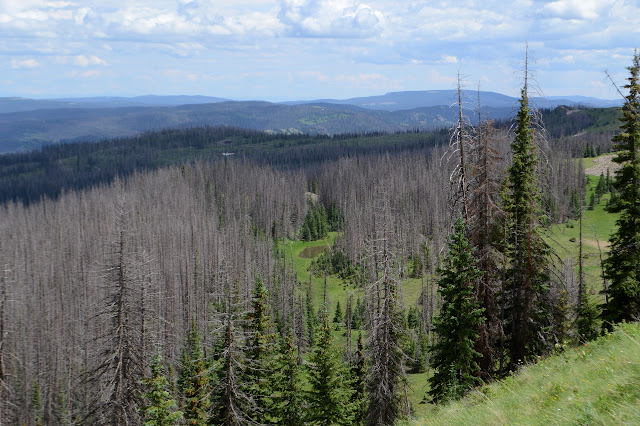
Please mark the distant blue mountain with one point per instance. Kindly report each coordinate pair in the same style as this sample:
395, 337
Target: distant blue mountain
398, 101
9, 105
30, 123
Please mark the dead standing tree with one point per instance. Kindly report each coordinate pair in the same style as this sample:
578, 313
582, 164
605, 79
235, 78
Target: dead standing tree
487, 169
121, 341
386, 382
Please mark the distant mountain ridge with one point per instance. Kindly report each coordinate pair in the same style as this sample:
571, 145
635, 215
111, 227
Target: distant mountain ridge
9, 105
397, 101
27, 124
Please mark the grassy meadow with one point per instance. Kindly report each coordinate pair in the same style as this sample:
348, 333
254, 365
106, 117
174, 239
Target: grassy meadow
598, 383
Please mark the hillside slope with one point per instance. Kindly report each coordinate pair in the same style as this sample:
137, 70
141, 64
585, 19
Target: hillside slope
594, 384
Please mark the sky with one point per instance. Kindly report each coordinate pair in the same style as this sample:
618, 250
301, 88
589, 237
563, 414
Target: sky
312, 49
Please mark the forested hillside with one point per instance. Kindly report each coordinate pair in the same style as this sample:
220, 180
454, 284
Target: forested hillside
162, 278
131, 265
93, 121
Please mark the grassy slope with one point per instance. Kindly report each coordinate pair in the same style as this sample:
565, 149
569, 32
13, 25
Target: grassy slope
597, 227
594, 384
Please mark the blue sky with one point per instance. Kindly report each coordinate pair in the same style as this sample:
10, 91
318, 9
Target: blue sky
308, 49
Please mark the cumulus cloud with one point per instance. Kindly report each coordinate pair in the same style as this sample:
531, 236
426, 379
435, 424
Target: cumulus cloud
86, 61
376, 44
24, 64
577, 9
336, 19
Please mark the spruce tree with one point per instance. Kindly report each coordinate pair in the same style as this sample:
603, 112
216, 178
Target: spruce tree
527, 274
453, 355
161, 410
231, 399
259, 354
359, 374
622, 266
194, 381
329, 399
338, 317
286, 383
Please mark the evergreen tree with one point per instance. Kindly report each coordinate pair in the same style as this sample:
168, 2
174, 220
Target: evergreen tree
622, 266
194, 381
359, 374
311, 318
338, 316
329, 399
161, 410
286, 384
586, 318
454, 355
232, 403
527, 275
36, 400
259, 354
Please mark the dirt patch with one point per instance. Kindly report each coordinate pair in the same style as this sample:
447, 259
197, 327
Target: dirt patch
604, 245
602, 164
311, 252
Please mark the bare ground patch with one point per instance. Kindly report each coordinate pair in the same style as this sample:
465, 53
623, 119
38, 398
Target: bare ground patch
602, 164
311, 252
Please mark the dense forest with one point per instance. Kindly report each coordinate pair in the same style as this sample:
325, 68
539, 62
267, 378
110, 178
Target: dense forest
149, 280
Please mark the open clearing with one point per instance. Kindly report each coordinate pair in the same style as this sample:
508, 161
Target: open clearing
602, 164
312, 251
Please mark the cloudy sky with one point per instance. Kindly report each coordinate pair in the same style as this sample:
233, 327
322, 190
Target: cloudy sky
308, 49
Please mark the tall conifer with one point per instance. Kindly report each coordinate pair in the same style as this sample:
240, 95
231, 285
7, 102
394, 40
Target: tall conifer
194, 380
161, 410
527, 275
457, 324
286, 383
329, 399
622, 267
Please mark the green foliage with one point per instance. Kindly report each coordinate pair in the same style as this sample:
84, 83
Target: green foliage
330, 398
587, 314
286, 383
457, 323
335, 262
259, 355
161, 410
358, 314
338, 316
416, 266
359, 377
622, 266
312, 319
316, 225
194, 381
36, 401
527, 275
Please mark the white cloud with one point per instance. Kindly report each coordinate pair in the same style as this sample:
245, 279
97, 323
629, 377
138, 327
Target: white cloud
332, 18
24, 64
352, 47
577, 9
86, 61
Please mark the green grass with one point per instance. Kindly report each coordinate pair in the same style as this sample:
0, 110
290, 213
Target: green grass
594, 384
597, 227
563, 238
587, 162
